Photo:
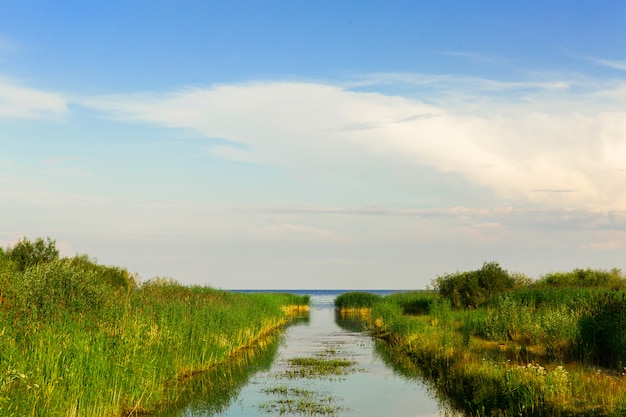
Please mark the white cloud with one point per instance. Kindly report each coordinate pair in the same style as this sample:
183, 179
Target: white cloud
233, 153
17, 102
612, 245
466, 87
615, 64
296, 232
524, 154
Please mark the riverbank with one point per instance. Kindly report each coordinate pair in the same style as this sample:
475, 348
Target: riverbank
540, 349
82, 339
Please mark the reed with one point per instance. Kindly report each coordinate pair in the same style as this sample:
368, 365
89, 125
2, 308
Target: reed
356, 300
80, 339
527, 352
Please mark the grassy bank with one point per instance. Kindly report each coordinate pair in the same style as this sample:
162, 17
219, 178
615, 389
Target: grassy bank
552, 347
82, 339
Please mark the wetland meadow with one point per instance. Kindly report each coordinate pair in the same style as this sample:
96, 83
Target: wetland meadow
81, 339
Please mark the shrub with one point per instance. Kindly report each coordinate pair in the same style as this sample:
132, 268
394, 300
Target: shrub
26, 253
602, 331
50, 288
613, 279
113, 276
475, 288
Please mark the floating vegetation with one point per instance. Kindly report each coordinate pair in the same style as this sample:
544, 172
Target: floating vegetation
318, 367
291, 399
301, 401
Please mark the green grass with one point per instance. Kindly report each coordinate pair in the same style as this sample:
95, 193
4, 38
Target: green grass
80, 339
413, 302
318, 367
307, 402
356, 300
287, 398
213, 392
536, 352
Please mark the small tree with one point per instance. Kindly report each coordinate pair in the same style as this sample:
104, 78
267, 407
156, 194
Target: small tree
26, 253
473, 288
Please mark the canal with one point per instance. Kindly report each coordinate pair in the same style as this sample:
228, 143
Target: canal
320, 366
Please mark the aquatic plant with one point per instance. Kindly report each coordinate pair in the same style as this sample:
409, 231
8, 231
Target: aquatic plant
318, 367
293, 400
414, 302
531, 351
602, 332
80, 338
326, 364
356, 300
214, 391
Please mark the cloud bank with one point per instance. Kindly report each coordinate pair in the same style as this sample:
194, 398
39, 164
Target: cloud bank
456, 172
525, 153
17, 102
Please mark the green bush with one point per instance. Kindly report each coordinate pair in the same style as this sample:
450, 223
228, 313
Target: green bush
112, 276
45, 290
26, 253
475, 288
613, 279
602, 331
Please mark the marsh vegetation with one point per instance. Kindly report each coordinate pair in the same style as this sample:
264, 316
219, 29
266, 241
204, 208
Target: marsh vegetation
306, 400
494, 343
82, 339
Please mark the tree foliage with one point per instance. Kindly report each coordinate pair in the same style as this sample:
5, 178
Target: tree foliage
26, 253
36, 284
474, 288
587, 278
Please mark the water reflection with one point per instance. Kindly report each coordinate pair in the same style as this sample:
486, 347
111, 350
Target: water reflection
349, 322
404, 367
212, 392
375, 384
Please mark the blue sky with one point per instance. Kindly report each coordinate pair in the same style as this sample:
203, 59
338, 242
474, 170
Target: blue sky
293, 144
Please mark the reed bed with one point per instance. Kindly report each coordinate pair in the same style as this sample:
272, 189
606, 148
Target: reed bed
543, 350
81, 339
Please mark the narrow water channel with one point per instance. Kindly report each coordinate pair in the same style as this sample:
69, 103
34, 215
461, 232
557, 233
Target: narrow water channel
272, 382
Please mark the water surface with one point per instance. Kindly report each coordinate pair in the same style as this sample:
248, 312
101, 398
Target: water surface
258, 385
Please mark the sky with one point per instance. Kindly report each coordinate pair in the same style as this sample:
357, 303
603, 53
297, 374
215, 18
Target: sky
316, 144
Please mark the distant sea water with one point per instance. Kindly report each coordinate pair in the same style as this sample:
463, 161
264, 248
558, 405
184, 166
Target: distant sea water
323, 299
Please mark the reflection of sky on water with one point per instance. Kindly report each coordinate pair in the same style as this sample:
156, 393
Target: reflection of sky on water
373, 390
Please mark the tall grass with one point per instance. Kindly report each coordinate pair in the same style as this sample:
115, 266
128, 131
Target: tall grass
414, 302
356, 300
602, 331
80, 339
212, 392
542, 351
